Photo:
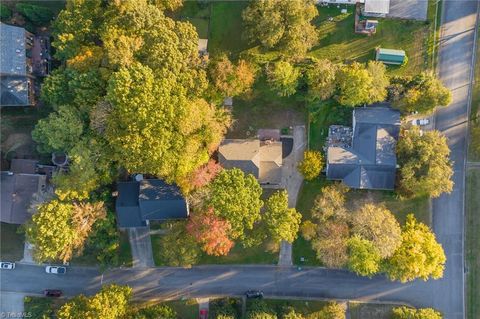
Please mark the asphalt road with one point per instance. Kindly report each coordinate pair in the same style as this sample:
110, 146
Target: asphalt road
446, 294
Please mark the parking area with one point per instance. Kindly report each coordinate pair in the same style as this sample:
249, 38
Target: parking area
408, 9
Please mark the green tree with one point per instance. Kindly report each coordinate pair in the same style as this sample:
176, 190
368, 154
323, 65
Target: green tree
333, 310
378, 225
89, 168
311, 165
153, 130
284, 25
283, 78
282, 223
419, 255
225, 308
411, 313
259, 309
330, 203
363, 257
59, 131
5, 12
320, 78
58, 229
380, 81
112, 302
423, 93
235, 197
38, 15
170, 5
425, 167
230, 79
290, 313
354, 85
178, 248
155, 312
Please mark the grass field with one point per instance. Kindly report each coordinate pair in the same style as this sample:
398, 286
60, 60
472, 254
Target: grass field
11, 243
41, 307
370, 310
305, 307
262, 108
472, 243
226, 27
185, 309
339, 43
198, 14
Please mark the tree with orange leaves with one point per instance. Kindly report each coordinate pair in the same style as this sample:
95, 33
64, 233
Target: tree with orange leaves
211, 231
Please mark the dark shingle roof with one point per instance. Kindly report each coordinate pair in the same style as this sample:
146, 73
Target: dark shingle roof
150, 199
371, 161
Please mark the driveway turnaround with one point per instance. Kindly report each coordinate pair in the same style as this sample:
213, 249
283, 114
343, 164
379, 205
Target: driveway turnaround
408, 9
141, 245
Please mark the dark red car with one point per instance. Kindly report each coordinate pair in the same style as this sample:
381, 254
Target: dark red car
52, 293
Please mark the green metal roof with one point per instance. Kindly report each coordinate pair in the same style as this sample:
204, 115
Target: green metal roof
390, 55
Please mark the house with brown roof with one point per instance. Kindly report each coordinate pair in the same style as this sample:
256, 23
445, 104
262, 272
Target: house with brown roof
262, 159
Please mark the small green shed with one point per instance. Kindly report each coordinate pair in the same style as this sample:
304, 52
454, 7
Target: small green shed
390, 56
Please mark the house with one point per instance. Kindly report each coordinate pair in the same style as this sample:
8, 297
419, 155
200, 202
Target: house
23, 56
139, 202
390, 56
364, 156
19, 185
262, 159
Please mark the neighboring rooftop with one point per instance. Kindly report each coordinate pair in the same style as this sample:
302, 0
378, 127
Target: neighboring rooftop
14, 90
390, 56
149, 199
18, 187
261, 159
377, 7
12, 50
369, 161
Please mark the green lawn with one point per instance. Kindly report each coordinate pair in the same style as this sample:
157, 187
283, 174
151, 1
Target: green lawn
321, 116
262, 108
186, 309
124, 251
370, 310
11, 243
226, 27
198, 14
472, 243
305, 307
239, 255
339, 43
40, 307
475, 111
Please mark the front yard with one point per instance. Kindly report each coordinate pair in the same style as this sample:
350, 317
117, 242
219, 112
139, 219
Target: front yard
11, 243
472, 223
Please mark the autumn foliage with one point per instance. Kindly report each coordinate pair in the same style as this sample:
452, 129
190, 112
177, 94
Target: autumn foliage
211, 232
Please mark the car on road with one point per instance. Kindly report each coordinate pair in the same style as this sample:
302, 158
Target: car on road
254, 294
55, 270
420, 122
7, 265
52, 293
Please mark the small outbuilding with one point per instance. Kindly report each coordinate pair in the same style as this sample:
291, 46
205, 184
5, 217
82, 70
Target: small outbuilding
390, 56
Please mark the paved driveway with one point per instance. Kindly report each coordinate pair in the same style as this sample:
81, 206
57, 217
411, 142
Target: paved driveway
11, 303
408, 9
292, 182
141, 246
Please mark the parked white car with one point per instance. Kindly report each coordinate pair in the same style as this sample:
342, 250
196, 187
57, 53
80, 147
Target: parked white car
420, 122
55, 270
7, 265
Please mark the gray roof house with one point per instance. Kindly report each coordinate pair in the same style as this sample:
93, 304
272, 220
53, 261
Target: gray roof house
18, 186
139, 202
262, 159
369, 162
15, 71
